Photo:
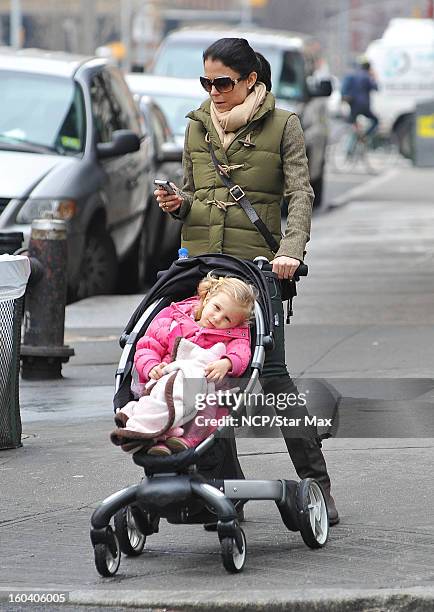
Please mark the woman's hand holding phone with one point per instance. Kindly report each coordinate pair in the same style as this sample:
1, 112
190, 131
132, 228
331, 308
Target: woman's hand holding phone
167, 196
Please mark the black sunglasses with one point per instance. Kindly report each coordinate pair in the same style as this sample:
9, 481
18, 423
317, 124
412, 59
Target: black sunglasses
223, 84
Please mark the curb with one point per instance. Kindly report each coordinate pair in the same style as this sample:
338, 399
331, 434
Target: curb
332, 600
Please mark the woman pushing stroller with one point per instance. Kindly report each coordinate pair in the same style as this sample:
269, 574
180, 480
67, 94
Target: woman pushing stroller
238, 137
204, 336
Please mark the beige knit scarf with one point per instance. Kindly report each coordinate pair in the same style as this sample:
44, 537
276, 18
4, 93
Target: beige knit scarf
228, 122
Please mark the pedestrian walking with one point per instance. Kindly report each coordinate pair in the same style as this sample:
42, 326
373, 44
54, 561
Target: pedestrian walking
238, 137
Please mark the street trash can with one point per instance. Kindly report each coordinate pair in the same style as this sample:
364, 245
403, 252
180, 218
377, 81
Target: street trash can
424, 135
14, 274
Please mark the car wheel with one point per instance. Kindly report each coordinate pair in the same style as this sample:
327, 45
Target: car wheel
150, 247
147, 246
404, 135
149, 254
99, 265
128, 277
146, 256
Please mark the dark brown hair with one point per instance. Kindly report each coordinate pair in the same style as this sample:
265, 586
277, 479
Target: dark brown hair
236, 53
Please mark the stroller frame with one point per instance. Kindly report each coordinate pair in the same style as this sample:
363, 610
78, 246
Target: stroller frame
174, 489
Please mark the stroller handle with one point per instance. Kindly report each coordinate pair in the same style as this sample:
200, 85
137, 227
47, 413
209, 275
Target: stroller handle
302, 270
264, 264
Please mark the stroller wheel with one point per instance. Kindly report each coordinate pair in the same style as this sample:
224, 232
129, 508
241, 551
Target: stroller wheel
131, 540
107, 557
312, 513
233, 559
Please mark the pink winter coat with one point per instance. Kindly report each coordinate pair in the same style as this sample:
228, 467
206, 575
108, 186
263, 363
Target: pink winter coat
177, 320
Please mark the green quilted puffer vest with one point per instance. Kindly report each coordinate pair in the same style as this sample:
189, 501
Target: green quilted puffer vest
210, 228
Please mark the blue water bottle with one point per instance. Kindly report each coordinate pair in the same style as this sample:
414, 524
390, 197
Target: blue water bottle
182, 253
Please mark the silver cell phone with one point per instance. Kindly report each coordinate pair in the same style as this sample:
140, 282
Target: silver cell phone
165, 185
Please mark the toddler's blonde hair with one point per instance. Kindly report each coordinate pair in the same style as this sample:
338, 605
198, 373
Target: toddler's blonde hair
241, 293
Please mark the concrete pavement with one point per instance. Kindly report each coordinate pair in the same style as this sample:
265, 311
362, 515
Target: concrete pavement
363, 319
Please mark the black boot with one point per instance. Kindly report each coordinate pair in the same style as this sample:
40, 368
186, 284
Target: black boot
306, 454
309, 462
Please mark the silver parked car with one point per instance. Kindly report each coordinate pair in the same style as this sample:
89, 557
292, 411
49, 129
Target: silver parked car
72, 143
176, 97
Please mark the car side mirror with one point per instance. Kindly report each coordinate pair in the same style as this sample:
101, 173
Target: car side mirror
123, 142
319, 88
170, 152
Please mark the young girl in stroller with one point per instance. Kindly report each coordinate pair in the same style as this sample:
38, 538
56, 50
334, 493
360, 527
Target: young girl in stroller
216, 320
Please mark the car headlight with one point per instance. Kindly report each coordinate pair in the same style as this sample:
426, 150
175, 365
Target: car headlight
37, 208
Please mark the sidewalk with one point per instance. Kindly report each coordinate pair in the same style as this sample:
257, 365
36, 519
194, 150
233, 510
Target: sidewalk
365, 313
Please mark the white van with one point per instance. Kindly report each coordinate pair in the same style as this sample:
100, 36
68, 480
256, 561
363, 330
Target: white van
403, 62
296, 70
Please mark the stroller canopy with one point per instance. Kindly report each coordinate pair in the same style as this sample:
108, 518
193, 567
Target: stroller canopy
183, 276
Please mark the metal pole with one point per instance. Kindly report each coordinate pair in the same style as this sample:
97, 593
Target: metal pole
126, 19
16, 27
1, 34
355, 35
246, 13
88, 26
43, 351
344, 29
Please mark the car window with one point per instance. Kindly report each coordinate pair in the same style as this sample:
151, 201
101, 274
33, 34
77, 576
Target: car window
119, 91
291, 83
310, 64
105, 110
176, 108
111, 108
180, 60
72, 131
42, 110
160, 128
145, 123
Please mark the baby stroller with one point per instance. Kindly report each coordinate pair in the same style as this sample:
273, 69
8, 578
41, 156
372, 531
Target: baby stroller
184, 488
